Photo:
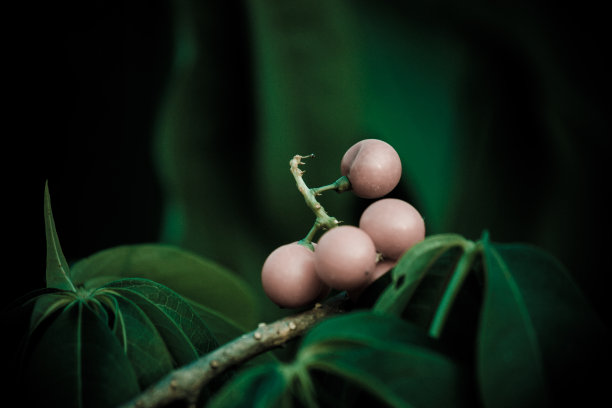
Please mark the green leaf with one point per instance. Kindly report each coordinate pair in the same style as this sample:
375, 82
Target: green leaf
143, 344
381, 330
181, 328
194, 277
223, 328
40, 303
391, 359
224, 331
47, 305
394, 362
539, 340
57, 267
264, 386
78, 362
423, 303
412, 268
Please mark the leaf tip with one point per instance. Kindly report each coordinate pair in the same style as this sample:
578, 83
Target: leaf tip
485, 236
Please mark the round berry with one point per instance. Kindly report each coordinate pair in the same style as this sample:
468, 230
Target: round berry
345, 257
373, 167
394, 225
289, 279
382, 267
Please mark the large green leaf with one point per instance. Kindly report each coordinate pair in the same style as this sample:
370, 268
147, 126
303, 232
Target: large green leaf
539, 341
182, 329
78, 362
412, 267
393, 362
391, 359
194, 277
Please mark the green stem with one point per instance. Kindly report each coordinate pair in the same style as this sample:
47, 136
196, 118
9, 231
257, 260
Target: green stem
307, 240
323, 220
471, 251
340, 185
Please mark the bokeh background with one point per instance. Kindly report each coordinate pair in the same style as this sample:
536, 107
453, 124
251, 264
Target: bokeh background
174, 121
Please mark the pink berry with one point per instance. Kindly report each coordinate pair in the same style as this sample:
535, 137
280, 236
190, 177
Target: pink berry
382, 267
289, 279
345, 257
394, 226
373, 167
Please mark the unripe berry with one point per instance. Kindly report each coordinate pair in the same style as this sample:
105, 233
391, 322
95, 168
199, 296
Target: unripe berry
373, 167
345, 257
394, 225
289, 279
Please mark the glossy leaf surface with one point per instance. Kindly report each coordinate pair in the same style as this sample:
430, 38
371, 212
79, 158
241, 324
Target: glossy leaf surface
194, 277
181, 328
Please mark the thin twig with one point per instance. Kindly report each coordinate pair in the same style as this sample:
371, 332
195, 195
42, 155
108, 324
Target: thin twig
323, 220
186, 382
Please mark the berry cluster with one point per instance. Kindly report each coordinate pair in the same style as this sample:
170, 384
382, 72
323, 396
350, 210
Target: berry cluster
346, 257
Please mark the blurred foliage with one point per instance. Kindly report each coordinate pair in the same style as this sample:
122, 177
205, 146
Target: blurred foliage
474, 100
175, 121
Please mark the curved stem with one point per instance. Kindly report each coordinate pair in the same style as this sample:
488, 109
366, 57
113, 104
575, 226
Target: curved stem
323, 220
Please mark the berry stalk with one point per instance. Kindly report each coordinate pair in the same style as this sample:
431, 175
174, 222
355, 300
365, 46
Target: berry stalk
340, 185
323, 220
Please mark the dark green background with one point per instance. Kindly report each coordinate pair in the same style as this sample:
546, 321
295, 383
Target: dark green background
500, 113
